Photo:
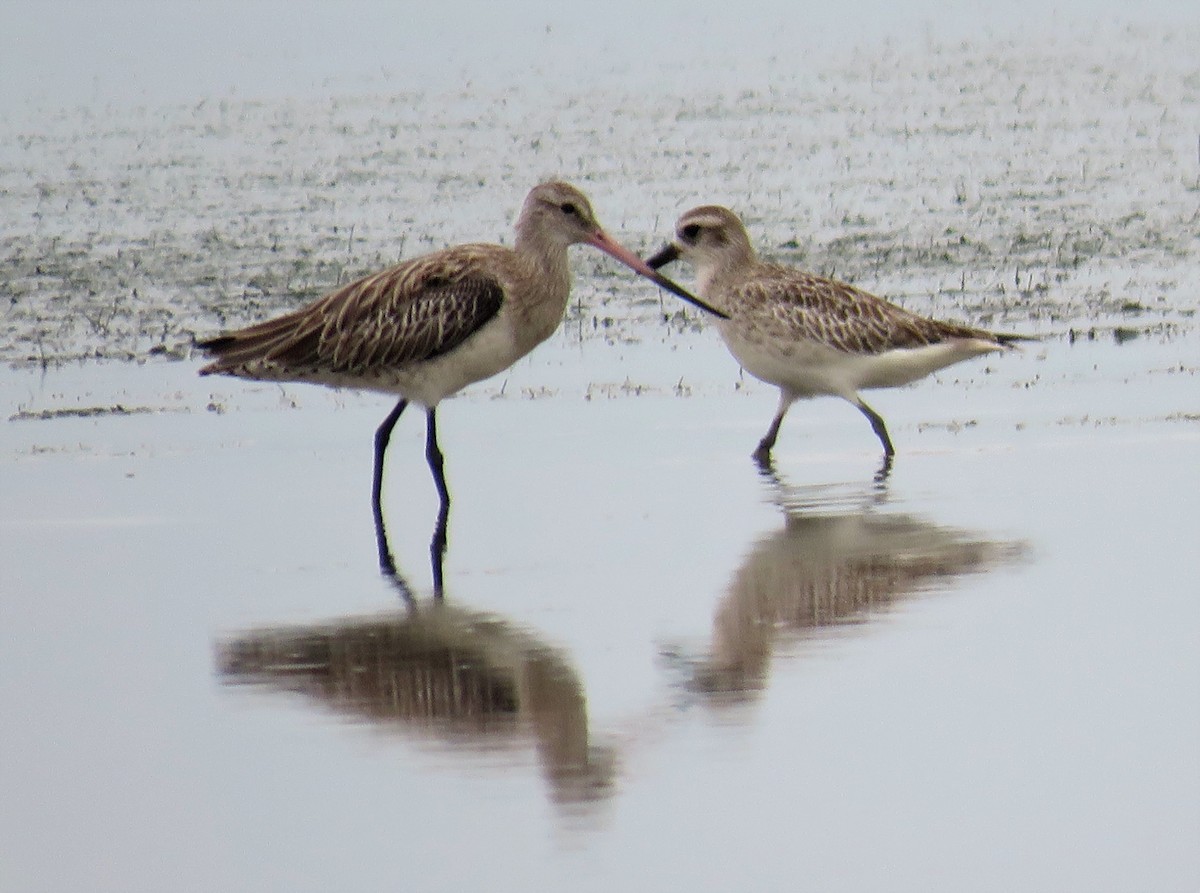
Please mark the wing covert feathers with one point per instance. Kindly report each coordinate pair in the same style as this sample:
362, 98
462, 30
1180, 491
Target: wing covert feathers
842, 316
406, 314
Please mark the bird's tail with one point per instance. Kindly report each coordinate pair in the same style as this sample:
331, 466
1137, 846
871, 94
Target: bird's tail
258, 343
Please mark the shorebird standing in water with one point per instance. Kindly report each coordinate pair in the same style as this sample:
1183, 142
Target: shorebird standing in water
430, 326
808, 335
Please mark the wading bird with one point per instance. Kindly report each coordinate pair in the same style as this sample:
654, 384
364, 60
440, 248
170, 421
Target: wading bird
428, 327
811, 336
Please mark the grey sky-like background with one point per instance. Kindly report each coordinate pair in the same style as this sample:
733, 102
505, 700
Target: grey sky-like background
63, 53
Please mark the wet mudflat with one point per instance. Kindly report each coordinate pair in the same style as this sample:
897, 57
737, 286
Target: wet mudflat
656, 667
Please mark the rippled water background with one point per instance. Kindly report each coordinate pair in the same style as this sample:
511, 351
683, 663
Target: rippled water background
655, 668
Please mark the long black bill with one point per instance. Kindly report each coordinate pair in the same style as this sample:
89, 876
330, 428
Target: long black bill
664, 257
601, 240
669, 253
663, 282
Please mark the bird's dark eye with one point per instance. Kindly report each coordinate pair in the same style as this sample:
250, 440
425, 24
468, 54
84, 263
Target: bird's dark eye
568, 208
691, 231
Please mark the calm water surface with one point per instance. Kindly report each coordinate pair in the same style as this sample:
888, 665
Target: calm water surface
655, 667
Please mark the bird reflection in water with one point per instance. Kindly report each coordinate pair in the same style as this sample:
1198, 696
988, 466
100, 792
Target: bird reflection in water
839, 559
472, 682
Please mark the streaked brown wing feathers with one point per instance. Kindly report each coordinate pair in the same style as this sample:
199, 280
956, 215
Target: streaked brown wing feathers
411, 312
385, 332
837, 314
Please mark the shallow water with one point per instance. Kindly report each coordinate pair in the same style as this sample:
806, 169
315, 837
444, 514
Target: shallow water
656, 667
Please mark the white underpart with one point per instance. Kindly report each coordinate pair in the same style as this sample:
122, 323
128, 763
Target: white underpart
809, 369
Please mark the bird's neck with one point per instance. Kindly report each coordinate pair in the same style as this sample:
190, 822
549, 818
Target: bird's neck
548, 272
712, 277
547, 256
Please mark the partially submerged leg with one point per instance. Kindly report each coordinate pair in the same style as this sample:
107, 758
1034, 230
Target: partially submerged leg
433, 455
881, 476
382, 435
763, 453
878, 427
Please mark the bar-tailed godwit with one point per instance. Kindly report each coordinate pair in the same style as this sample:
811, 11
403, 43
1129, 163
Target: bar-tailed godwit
431, 325
808, 335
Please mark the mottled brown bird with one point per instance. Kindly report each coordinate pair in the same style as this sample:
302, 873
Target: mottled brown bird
430, 326
808, 335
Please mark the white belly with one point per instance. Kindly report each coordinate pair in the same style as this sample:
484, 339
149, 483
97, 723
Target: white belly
808, 368
488, 352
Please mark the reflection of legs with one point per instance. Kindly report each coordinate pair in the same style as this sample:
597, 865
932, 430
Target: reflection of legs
433, 455
402, 589
878, 427
382, 435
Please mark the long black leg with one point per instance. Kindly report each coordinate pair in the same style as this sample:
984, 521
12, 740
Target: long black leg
382, 435
879, 428
763, 453
433, 455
